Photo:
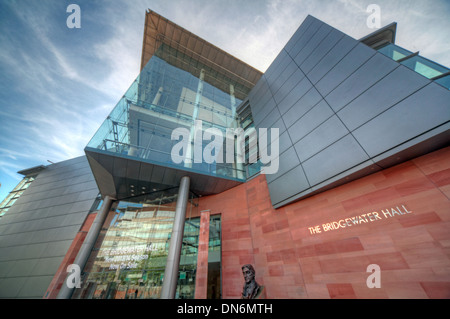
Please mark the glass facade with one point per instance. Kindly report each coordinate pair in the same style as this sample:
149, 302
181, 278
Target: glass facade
394, 52
417, 63
129, 258
174, 90
251, 146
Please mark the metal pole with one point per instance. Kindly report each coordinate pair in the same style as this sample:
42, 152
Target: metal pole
88, 243
173, 258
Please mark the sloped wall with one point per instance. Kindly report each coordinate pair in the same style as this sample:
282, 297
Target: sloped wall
38, 230
343, 111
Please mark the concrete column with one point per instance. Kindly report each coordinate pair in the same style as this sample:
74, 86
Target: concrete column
88, 244
176, 241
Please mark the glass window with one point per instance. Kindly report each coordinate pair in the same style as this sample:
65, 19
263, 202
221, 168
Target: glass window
394, 52
424, 66
129, 258
172, 91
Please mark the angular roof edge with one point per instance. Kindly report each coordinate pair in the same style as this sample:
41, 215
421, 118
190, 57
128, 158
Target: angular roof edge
383, 35
159, 29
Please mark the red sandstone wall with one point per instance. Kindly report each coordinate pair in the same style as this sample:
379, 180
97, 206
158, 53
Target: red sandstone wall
412, 249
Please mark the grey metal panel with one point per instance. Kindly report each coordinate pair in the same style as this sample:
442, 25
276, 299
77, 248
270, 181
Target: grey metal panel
308, 122
288, 185
300, 89
287, 86
6, 266
158, 174
324, 135
303, 40
170, 177
265, 110
36, 250
287, 161
390, 90
10, 287
34, 286
39, 222
120, 166
425, 143
284, 142
318, 37
372, 71
22, 268
260, 85
420, 112
272, 120
300, 31
46, 266
321, 50
336, 54
276, 83
5, 253
335, 159
145, 172
260, 96
303, 105
277, 67
350, 63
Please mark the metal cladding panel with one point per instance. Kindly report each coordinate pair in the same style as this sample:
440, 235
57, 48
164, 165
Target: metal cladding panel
395, 87
333, 160
282, 188
38, 229
276, 82
321, 50
304, 39
347, 110
320, 113
316, 39
424, 110
117, 180
349, 64
287, 161
324, 135
268, 109
301, 107
357, 83
288, 85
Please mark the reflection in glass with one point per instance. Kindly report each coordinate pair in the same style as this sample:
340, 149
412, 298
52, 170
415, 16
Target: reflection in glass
423, 66
417, 63
130, 255
172, 91
394, 52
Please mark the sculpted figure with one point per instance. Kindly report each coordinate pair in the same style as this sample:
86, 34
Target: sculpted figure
252, 290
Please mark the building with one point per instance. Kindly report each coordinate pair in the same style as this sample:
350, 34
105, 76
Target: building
362, 131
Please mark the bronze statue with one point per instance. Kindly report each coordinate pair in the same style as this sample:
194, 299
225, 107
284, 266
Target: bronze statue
252, 290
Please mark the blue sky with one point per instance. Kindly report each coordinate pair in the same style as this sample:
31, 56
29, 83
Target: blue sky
57, 85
